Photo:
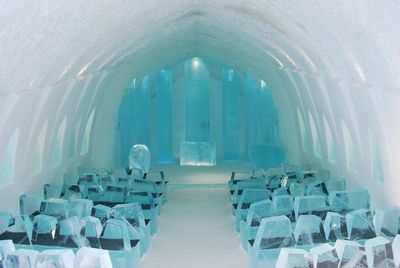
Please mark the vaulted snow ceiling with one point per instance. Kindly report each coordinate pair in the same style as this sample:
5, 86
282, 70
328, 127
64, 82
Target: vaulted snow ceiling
335, 61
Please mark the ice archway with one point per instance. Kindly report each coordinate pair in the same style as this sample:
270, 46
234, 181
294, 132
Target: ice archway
333, 68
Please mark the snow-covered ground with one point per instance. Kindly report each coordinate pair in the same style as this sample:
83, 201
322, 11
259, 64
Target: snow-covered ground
196, 229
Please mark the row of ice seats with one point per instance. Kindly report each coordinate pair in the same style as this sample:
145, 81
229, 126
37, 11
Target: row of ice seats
10, 257
120, 219
302, 209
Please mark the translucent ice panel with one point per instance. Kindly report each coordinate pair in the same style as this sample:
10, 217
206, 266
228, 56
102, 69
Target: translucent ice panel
29, 204
6, 247
335, 185
101, 212
91, 230
80, 207
293, 258
93, 258
359, 224
55, 207
139, 158
44, 229
25, 258
64, 258
69, 233
296, 189
308, 230
115, 235
387, 221
379, 252
274, 232
349, 200
351, 254
334, 226
324, 256
198, 154
283, 205
266, 155
396, 250
310, 205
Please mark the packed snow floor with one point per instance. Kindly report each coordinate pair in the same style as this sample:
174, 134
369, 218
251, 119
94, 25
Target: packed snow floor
196, 229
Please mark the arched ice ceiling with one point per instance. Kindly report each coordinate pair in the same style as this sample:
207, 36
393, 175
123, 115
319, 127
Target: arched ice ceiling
337, 60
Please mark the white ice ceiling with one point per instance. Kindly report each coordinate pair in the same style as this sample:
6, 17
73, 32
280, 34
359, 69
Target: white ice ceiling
340, 59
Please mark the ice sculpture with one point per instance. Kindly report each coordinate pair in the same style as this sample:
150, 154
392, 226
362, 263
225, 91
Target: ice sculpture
334, 226
22, 258
340, 201
139, 158
308, 230
359, 224
266, 155
310, 205
387, 221
351, 254
198, 153
324, 256
379, 252
55, 258
293, 258
274, 232
93, 258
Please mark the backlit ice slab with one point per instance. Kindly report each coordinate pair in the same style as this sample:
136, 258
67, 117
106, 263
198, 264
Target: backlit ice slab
198, 153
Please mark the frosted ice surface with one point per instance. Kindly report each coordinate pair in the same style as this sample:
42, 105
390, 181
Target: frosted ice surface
309, 205
29, 204
80, 207
140, 158
351, 254
25, 258
282, 204
335, 185
55, 207
308, 230
101, 212
91, 226
396, 250
387, 221
198, 154
315, 188
359, 224
293, 258
64, 258
379, 252
349, 200
43, 225
334, 226
115, 235
71, 228
6, 247
296, 189
324, 256
266, 155
52, 191
92, 258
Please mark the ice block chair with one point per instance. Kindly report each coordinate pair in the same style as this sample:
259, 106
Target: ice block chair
150, 187
315, 188
293, 258
113, 194
25, 258
19, 230
280, 191
379, 252
348, 200
334, 226
315, 205
137, 227
324, 256
92, 257
283, 205
249, 227
102, 212
88, 179
124, 251
55, 258
248, 196
72, 191
296, 189
70, 178
274, 233
360, 225
335, 185
307, 176
237, 176
387, 222
80, 207
55, 207
52, 191
351, 254
83, 170
94, 193
161, 183
309, 231
29, 204
150, 209
44, 229
6, 247
240, 186
91, 230
396, 250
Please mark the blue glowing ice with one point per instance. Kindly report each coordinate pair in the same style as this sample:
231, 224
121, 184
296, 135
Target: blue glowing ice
198, 153
266, 155
139, 158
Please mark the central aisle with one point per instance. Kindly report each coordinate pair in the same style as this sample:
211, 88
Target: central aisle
196, 229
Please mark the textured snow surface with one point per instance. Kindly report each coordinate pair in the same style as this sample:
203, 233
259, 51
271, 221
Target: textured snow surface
197, 230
